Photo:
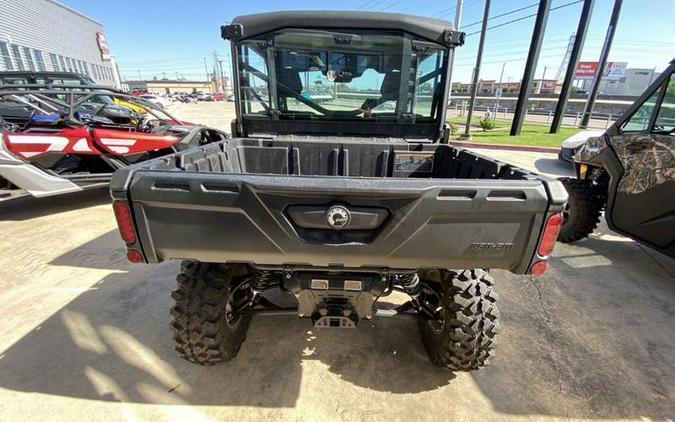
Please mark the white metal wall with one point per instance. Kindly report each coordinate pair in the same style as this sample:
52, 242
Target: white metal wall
46, 35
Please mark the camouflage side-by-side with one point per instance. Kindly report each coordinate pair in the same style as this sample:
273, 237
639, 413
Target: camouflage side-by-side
648, 160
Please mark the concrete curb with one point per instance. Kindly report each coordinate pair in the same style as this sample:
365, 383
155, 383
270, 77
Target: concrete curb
529, 148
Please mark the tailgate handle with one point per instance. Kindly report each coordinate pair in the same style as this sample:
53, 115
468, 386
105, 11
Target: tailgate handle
316, 217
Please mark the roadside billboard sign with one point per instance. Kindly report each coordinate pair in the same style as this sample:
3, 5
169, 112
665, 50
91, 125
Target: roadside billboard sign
613, 70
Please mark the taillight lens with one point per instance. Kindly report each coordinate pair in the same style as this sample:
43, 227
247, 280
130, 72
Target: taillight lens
134, 256
551, 230
539, 268
124, 221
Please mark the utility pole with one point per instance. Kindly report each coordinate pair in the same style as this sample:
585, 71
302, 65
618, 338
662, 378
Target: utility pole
222, 75
206, 69
604, 54
216, 72
458, 21
530, 66
543, 76
499, 93
476, 70
572, 64
566, 58
139, 76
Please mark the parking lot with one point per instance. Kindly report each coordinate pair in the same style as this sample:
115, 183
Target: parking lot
86, 335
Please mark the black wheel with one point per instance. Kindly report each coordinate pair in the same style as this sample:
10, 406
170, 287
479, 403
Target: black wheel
461, 335
582, 212
205, 329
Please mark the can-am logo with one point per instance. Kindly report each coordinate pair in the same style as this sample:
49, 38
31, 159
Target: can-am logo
491, 246
338, 217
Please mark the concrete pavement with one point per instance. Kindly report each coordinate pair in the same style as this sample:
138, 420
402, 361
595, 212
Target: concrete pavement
85, 337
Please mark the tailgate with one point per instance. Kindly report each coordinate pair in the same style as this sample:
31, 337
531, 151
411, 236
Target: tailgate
394, 223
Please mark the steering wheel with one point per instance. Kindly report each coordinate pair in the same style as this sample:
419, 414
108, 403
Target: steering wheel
141, 125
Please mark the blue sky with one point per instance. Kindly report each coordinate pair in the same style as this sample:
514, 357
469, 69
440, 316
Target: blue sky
172, 37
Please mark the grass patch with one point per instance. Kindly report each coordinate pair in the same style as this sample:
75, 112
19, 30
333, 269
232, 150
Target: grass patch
534, 134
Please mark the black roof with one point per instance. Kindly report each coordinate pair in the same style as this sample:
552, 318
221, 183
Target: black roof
248, 26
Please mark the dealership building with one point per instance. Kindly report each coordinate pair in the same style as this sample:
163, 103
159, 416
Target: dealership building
41, 35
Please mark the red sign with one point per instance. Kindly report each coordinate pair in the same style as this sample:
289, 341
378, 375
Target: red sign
586, 69
103, 46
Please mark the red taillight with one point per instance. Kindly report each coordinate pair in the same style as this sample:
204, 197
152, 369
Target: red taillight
124, 221
551, 230
134, 256
539, 268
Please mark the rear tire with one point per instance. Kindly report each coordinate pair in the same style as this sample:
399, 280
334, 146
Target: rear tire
203, 330
582, 212
463, 339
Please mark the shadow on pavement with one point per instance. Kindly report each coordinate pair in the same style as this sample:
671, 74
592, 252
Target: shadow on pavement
105, 252
584, 342
27, 207
592, 338
554, 167
113, 343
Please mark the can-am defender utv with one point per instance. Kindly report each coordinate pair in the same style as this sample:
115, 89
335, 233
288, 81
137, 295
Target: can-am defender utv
630, 172
338, 188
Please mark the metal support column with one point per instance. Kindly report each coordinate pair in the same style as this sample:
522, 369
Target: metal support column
579, 39
476, 70
530, 66
602, 64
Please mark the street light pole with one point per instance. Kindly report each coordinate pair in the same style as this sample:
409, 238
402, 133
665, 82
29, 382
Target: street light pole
499, 93
476, 70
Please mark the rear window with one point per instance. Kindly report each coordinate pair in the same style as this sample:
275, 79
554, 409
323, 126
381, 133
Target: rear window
324, 75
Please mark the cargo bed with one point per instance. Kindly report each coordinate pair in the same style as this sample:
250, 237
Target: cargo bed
264, 202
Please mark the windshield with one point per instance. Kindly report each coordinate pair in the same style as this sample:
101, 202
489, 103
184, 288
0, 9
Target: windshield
310, 74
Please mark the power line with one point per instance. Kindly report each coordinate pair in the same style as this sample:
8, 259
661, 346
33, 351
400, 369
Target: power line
168, 59
377, 3
526, 17
504, 14
366, 4
396, 3
452, 9
550, 56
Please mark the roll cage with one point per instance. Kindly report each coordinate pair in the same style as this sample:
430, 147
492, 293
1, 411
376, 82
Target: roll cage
65, 100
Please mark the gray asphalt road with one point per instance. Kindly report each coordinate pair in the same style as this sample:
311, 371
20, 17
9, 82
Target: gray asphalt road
85, 337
